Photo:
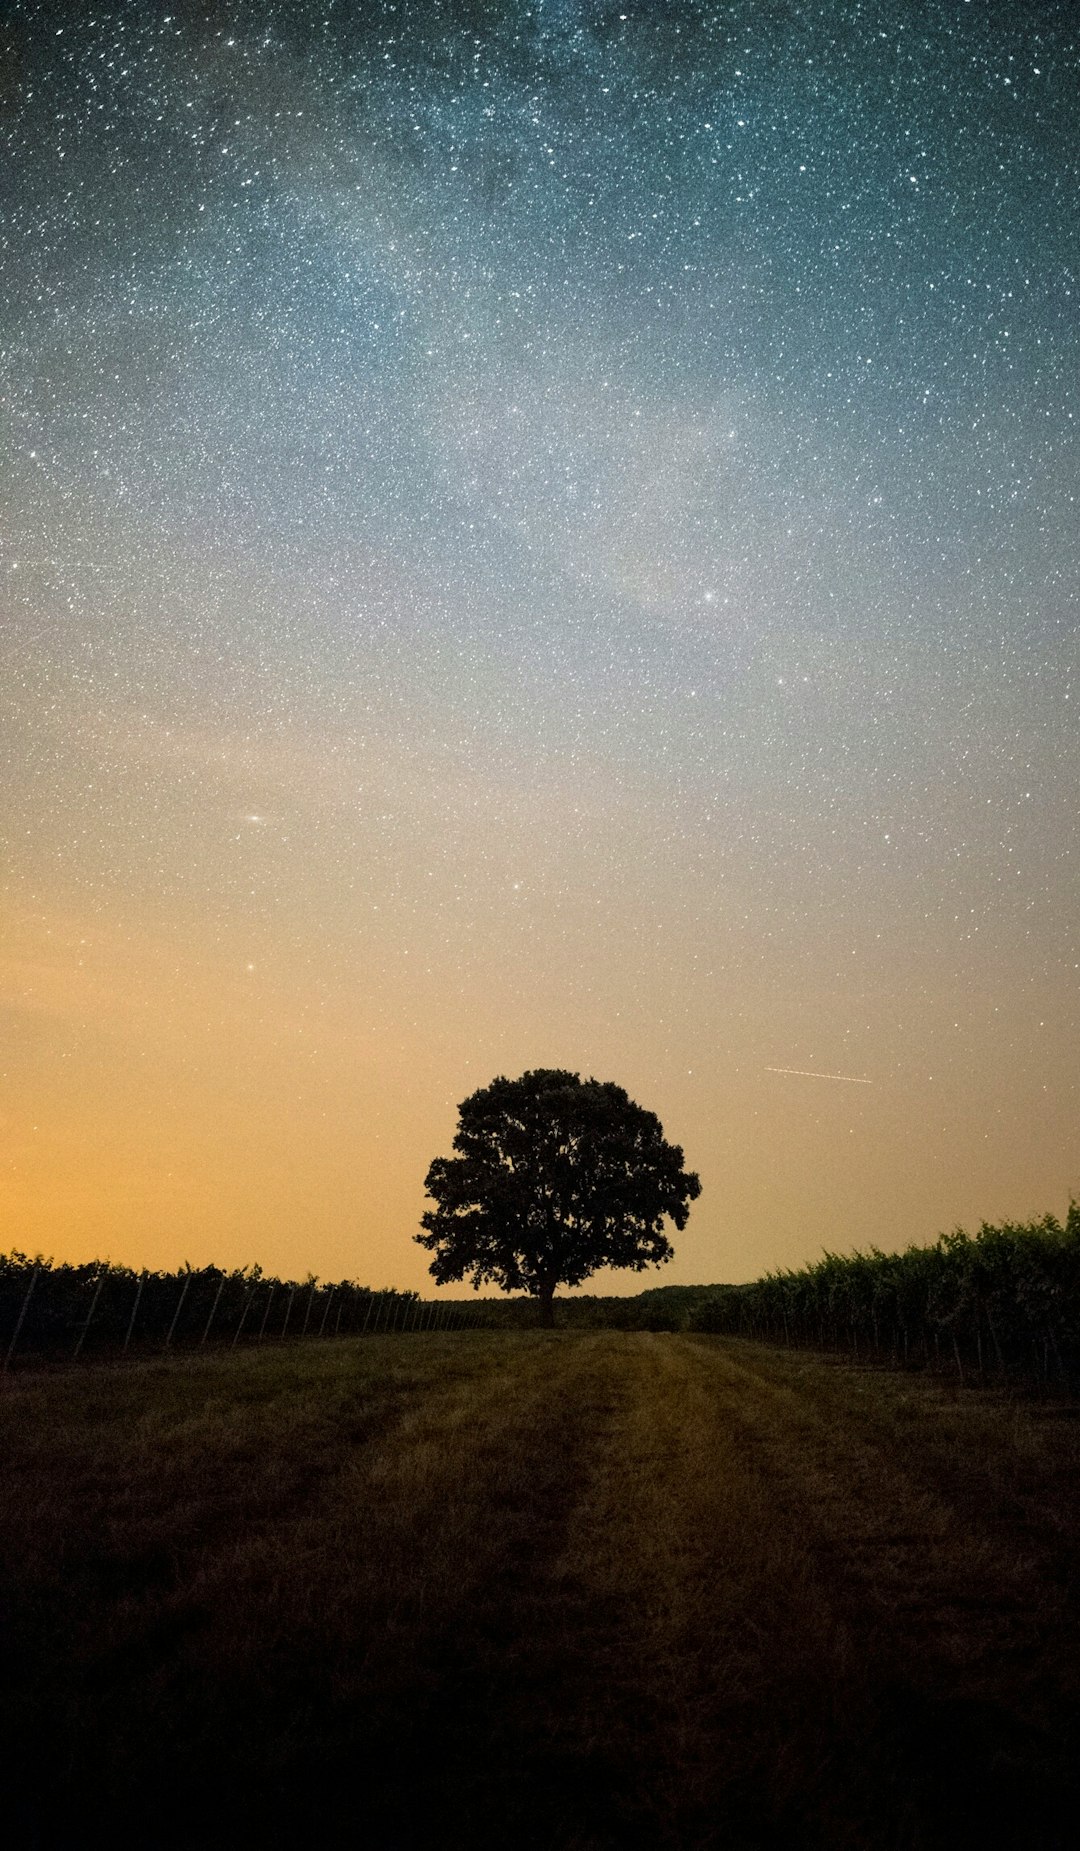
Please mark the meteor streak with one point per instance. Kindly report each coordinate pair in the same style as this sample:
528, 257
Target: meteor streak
807, 1073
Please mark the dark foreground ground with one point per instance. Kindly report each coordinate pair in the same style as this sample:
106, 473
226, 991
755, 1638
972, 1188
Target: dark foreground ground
562, 1590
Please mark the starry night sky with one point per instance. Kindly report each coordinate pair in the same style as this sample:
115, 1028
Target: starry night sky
537, 535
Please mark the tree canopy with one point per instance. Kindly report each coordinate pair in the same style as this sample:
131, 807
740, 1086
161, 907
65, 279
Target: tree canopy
554, 1177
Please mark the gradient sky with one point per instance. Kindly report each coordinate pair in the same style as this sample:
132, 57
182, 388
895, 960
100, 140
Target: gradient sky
537, 535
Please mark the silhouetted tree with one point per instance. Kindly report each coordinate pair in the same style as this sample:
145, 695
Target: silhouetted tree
554, 1176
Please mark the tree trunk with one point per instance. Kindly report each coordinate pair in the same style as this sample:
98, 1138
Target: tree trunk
546, 1296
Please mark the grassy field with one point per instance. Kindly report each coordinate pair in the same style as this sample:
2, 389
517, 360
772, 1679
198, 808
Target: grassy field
569, 1589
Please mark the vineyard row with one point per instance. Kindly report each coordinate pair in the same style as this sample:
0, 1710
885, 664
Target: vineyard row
55, 1312
1004, 1302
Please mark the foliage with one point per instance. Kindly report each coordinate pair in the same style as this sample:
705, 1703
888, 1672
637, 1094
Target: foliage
1005, 1300
666, 1307
554, 1177
64, 1311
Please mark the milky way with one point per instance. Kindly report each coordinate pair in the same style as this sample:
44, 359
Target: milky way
537, 535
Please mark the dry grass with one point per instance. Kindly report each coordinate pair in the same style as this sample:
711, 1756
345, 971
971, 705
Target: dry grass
552, 1589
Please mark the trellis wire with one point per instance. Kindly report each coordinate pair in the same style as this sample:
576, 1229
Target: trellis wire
9, 1353
101, 1309
135, 1309
248, 1296
90, 1313
1004, 1301
180, 1306
213, 1311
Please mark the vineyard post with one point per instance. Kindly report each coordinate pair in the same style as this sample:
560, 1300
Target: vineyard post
249, 1295
20, 1321
367, 1311
135, 1308
307, 1313
90, 1313
179, 1308
326, 1309
213, 1309
337, 1321
288, 1309
266, 1311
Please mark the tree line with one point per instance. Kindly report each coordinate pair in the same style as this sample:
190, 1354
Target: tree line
1004, 1301
67, 1311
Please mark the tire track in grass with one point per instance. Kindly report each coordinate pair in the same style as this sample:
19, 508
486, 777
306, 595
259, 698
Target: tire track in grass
969, 1624
815, 1647
330, 1667
701, 1693
563, 1592
383, 1664
495, 1726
